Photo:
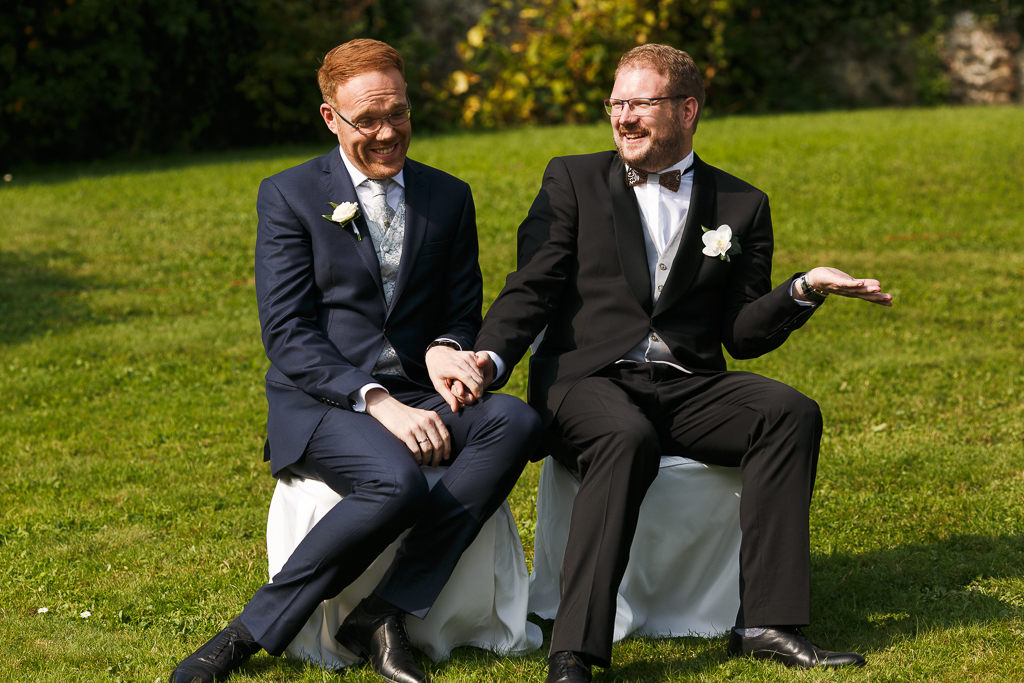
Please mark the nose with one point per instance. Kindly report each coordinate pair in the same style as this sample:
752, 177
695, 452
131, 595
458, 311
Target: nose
627, 115
386, 131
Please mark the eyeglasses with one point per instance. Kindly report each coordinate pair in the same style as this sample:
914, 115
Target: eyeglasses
371, 126
638, 105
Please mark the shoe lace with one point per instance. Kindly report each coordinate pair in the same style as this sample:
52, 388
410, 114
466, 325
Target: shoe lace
403, 634
818, 652
238, 649
569, 663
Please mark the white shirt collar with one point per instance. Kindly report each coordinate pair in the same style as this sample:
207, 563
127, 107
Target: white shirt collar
681, 166
358, 176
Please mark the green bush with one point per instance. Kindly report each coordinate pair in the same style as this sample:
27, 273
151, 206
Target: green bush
83, 79
553, 60
90, 78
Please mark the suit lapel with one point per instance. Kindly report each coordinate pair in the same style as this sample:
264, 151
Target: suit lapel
689, 257
629, 234
417, 205
338, 188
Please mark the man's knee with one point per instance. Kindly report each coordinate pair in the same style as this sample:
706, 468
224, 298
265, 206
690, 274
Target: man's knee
629, 445
410, 486
523, 421
401, 490
804, 410
636, 438
512, 418
783, 402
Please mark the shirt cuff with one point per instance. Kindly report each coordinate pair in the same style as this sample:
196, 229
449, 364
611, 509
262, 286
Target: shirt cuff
499, 364
792, 293
358, 398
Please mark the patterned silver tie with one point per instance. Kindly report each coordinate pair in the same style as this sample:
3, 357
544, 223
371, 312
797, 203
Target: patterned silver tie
382, 213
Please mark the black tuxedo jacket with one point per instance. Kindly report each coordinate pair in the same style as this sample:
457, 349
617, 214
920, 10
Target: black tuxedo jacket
321, 302
582, 272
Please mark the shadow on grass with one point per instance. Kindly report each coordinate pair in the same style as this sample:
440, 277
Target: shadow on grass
37, 298
868, 601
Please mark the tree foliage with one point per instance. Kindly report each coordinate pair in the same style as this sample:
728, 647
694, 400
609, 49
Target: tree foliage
554, 60
91, 78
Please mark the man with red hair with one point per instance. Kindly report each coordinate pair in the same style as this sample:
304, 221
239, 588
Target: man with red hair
360, 306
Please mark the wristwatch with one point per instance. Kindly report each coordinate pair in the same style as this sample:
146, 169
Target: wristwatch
444, 342
810, 293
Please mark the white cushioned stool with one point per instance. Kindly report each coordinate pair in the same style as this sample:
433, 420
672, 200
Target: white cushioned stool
683, 572
483, 605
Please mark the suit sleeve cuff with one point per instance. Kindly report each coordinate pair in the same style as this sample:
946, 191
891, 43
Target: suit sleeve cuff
358, 398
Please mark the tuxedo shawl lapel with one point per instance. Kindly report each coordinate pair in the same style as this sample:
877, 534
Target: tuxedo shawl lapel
338, 188
629, 234
417, 205
690, 256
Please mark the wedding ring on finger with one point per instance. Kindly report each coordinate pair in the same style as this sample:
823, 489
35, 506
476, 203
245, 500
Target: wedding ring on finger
423, 441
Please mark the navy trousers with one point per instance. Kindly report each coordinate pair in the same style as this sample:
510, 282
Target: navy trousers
385, 493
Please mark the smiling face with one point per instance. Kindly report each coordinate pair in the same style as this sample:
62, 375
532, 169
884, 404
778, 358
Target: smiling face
371, 95
660, 138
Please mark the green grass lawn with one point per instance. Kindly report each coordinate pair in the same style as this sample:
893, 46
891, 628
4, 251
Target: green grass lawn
132, 409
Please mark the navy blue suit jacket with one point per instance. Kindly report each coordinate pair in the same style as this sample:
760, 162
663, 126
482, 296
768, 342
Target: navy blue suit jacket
321, 301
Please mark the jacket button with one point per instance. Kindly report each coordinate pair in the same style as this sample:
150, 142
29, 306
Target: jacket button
387, 331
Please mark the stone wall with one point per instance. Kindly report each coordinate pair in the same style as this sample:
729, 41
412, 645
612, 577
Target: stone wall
984, 65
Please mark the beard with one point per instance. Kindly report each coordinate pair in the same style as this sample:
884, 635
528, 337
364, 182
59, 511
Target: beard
662, 150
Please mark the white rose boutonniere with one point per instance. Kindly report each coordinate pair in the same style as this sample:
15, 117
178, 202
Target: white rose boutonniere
719, 242
343, 214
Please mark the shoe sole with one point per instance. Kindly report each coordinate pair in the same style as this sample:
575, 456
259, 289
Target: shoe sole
778, 657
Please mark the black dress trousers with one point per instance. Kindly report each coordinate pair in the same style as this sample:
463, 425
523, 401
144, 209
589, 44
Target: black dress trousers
612, 429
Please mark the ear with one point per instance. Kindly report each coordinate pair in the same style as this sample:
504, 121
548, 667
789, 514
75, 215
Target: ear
329, 117
688, 114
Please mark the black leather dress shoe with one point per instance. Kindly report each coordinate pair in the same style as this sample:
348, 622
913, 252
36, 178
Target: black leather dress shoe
382, 639
221, 655
790, 647
568, 667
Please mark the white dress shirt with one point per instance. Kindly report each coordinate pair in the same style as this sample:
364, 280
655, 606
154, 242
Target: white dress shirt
663, 216
364, 193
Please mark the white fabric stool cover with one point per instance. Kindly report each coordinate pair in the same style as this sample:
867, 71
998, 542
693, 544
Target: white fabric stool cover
683, 572
483, 605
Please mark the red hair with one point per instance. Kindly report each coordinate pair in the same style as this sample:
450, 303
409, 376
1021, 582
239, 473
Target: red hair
353, 58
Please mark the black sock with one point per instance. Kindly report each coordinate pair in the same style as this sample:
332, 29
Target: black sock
378, 606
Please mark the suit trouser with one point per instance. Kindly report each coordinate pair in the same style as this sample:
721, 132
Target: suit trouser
385, 493
612, 429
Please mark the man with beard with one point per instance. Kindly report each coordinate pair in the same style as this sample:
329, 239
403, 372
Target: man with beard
642, 264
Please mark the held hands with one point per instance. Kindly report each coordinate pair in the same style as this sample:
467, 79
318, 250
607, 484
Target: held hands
835, 281
460, 377
421, 430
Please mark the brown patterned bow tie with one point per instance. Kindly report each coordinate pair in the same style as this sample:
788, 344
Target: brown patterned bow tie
670, 180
